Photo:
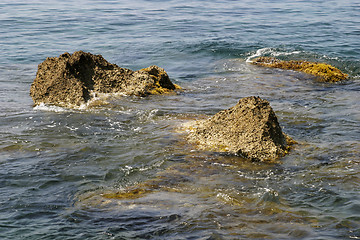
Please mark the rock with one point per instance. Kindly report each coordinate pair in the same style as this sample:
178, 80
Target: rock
69, 80
323, 71
249, 129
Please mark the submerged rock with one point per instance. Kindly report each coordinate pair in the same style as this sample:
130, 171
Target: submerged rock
249, 129
69, 80
323, 71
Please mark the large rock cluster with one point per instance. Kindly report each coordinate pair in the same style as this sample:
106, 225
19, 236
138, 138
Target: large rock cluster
249, 129
69, 80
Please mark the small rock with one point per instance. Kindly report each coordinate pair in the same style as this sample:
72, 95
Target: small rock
249, 129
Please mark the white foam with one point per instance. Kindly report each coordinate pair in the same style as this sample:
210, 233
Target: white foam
260, 52
96, 99
138, 129
270, 51
50, 108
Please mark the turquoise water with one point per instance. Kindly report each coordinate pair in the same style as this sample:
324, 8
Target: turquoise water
56, 163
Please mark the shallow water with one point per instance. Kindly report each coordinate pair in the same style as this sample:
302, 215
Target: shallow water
57, 163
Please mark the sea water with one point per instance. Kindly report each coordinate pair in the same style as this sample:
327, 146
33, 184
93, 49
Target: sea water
56, 164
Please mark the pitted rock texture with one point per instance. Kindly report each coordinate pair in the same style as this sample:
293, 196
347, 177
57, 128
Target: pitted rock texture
69, 79
249, 129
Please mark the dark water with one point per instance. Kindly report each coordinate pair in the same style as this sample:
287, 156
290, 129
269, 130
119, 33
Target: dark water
56, 163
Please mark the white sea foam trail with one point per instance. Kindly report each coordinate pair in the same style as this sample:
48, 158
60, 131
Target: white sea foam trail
269, 52
260, 52
50, 108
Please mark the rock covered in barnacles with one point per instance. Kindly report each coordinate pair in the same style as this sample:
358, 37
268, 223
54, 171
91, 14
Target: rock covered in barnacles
323, 71
69, 80
249, 129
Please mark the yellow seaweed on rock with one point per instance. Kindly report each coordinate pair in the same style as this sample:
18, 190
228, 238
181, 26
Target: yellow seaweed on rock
323, 71
158, 90
162, 83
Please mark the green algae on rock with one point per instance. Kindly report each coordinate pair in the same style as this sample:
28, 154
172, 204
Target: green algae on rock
70, 79
323, 71
249, 129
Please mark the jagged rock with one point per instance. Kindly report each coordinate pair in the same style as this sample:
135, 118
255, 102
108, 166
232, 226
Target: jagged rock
249, 129
68, 80
323, 71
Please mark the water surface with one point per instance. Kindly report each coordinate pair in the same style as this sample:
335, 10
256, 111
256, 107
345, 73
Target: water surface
56, 162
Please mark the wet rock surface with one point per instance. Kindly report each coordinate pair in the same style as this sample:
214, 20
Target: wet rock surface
249, 129
70, 79
324, 72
